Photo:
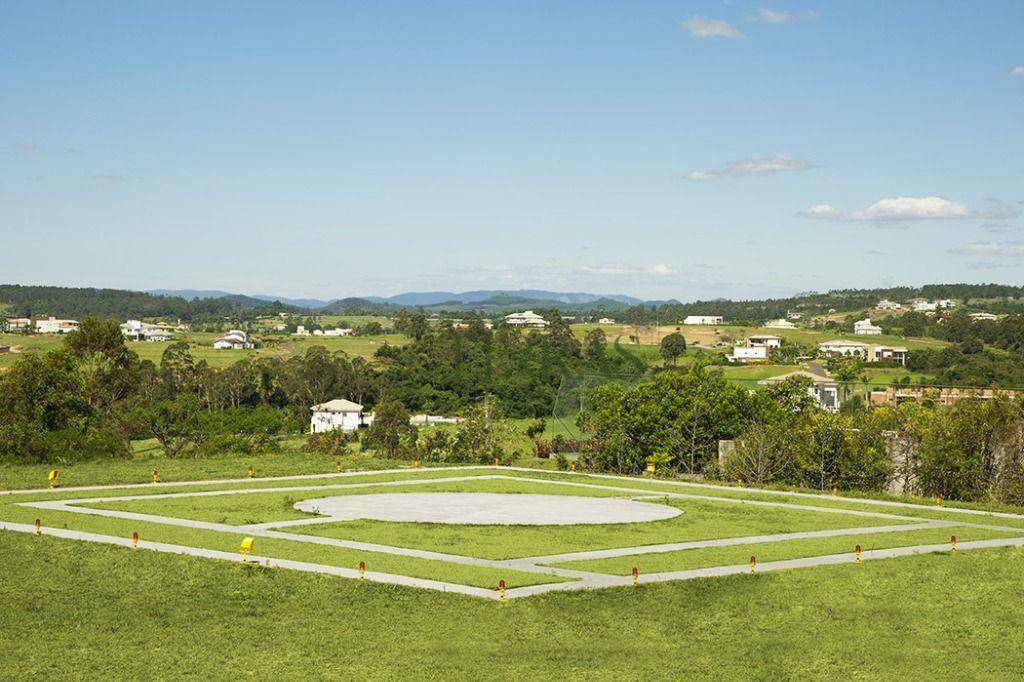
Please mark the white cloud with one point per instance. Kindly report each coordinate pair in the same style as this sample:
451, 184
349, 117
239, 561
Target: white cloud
1017, 71
822, 211
703, 27
913, 208
1013, 249
661, 270
620, 270
767, 16
754, 166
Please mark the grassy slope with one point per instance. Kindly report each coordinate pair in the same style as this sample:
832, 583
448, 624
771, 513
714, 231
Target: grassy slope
76, 610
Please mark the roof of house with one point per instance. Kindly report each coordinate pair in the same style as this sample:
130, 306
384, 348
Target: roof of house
338, 405
816, 378
764, 336
841, 342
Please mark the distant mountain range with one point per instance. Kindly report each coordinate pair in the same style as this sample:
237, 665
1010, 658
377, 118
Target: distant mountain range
487, 298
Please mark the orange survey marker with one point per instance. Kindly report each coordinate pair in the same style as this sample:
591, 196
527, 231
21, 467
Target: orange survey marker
156, 476
636, 575
753, 563
362, 570
501, 590
856, 554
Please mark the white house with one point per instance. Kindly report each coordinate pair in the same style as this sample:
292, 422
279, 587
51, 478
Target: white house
945, 303
984, 316
897, 354
794, 315
235, 339
865, 328
745, 354
17, 324
606, 320
843, 348
527, 318
52, 325
703, 319
886, 304
137, 330
336, 414
779, 324
922, 306
825, 391
337, 331
301, 331
764, 340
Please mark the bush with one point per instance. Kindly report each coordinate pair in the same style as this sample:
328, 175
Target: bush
336, 442
541, 449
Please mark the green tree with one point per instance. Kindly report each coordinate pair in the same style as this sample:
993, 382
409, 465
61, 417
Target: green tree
390, 432
673, 347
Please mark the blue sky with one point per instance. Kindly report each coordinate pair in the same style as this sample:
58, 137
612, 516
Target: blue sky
684, 149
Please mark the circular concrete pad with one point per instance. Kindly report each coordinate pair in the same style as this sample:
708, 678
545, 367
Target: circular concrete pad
487, 508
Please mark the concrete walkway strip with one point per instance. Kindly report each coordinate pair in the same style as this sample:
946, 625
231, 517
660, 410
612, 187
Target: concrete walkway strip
372, 576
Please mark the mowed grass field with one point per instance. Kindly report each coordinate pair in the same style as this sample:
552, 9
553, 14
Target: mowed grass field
84, 611
201, 346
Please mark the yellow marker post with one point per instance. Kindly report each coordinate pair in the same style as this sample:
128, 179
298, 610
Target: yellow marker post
54, 473
362, 571
251, 473
938, 500
952, 541
246, 548
39, 527
753, 563
416, 464
856, 554
636, 576
835, 491
650, 469
497, 461
501, 591
337, 465
156, 476
739, 482
135, 540
572, 465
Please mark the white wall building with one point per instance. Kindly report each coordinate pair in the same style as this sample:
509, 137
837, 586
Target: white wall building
745, 354
843, 348
52, 325
920, 306
137, 330
886, 304
703, 319
984, 316
897, 354
945, 303
764, 340
865, 328
825, 391
235, 339
336, 414
527, 318
337, 331
779, 324
606, 320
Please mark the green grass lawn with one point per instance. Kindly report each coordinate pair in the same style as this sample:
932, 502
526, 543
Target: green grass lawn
77, 610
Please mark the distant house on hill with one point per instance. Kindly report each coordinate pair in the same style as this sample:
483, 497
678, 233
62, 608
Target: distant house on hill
606, 320
897, 354
779, 324
843, 348
764, 340
52, 325
919, 305
984, 316
824, 390
748, 354
236, 339
137, 330
336, 414
527, 318
886, 304
865, 328
703, 319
